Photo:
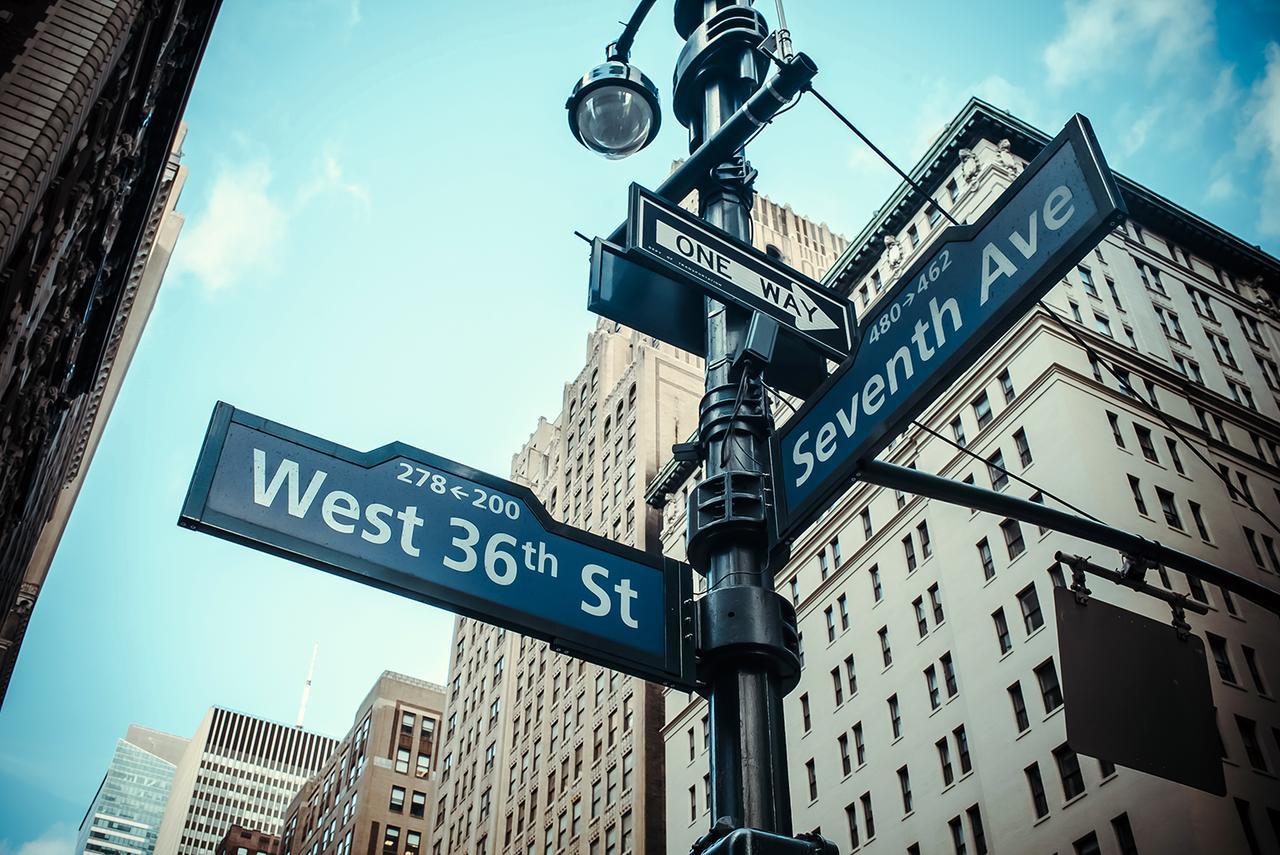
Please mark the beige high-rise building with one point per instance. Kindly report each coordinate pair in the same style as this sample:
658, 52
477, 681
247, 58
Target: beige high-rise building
929, 716
238, 770
546, 753
376, 789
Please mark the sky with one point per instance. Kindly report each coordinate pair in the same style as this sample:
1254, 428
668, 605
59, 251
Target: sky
379, 246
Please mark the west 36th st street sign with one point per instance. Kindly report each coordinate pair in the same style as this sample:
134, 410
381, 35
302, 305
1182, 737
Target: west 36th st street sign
946, 309
425, 527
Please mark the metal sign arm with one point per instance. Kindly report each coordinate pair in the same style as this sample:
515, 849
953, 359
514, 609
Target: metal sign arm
957, 493
790, 80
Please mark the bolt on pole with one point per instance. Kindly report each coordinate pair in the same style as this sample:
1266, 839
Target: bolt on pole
746, 631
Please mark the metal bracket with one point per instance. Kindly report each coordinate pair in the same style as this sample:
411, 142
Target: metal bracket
1180, 625
723, 839
732, 501
1078, 587
747, 621
1134, 569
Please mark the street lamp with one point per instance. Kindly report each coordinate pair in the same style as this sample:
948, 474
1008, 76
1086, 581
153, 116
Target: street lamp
614, 107
614, 110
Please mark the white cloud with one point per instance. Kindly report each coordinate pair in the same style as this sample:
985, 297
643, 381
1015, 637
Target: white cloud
1136, 137
1221, 189
237, 233
1262, 136
354, 16
58, 840
329, 179
1101, 34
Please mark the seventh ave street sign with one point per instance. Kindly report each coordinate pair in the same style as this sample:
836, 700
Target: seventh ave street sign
970, 287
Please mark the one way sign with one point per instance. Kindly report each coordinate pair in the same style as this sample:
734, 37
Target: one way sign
731, 271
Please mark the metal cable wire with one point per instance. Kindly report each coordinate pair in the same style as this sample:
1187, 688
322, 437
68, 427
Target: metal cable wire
1152, 409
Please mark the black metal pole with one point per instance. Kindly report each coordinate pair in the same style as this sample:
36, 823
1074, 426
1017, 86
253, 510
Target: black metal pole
957, 493
742, 624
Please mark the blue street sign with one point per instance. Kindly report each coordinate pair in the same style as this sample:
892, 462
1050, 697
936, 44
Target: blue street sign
424, 527
946, 309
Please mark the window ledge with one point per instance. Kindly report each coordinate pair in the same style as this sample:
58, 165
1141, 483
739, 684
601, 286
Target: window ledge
1056, 711
1036, 631
906, 816
1074, 799
1006, 654
1022, 733
1108, 779
1044, 818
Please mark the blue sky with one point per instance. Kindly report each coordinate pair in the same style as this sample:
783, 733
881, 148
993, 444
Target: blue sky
379, 245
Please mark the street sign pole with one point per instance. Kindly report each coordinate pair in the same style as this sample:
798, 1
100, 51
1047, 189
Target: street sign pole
746, 631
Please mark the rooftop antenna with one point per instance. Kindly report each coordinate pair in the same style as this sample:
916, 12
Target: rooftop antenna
306, 687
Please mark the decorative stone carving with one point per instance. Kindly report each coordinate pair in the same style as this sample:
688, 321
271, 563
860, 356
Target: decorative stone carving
1007, 158
1262, 297
968, 165
893, 251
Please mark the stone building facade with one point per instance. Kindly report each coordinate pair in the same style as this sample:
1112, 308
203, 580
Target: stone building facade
376, 790
91, 93
930, 716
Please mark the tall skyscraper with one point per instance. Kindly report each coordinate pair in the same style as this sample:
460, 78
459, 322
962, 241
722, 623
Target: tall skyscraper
929, 716
542, 752
241, 770
125, 814
376, 790
91, 92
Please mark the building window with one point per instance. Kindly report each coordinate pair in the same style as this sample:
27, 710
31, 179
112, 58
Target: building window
895, 716
1006, 386
957, 431
877, 590
812, 774
996, 471
830, 613
1169, 505
1050, 689
1039, 802
1013, 538
885, 652
904, 785
1251, 661
1218, 646
859, 747
944, 758
804, 712
1135, 487
926, 545
402, 760
1020, 717
1087, 281
984, 555
949, 674
397, 799
851, 818
935, 599
909, 550
846, 762
851, 675
1115, 429
418, 804
962, 749
865, 515
1069, 771
1124, 835
931, 683
1024, 447
1002, 631
982, 410
868, 819
391, 839
1249, 738
922, 623
1030, 605
842, 602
